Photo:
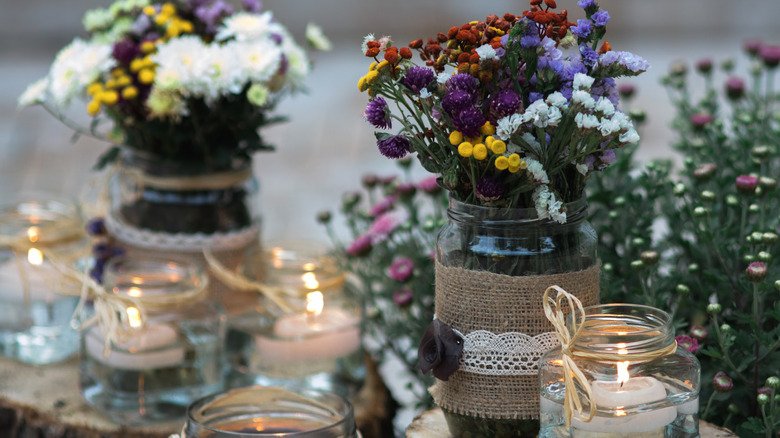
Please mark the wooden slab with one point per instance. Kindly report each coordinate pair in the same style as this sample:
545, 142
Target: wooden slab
431, 424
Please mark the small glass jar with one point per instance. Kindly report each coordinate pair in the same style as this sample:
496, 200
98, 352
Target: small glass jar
643, 397
36, 300
166, 361
313, 339
271, 411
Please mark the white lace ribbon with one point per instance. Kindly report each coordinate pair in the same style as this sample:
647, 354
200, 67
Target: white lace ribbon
505, 354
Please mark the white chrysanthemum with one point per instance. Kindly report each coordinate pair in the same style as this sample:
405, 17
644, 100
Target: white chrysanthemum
181, 58
298, 66
582, 82
508, 125
366, 39
486, 52
35, 93
609, 127
604, 106
217, 72
245, 26
586, 121
442, 78
76, 67
630, 136
583, 99
316, 37
257, 60
165, 104
537, 170
557, 99
582, 169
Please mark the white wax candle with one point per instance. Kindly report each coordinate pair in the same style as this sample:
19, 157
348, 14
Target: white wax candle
635, 391
41, 280
332, 334
147, 349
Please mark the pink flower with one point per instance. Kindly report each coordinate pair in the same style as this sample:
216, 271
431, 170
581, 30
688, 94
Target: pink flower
699, 120
403, 297
756, 272
429, 185
360, 246
699, 333
747, 184
384, 225
382, 206
687, 343
401, 269
721, 382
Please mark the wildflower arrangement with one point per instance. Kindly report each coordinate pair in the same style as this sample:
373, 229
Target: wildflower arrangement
183, 80
513, 111
715, 265
393, 227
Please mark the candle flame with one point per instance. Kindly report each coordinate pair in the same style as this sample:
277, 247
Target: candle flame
314, 302
137, 280
134, 292
622, 372
134, 317
32, 234
35, 256
310, 281
620, 413
309, 267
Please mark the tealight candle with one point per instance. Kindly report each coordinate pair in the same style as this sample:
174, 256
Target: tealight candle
41, 279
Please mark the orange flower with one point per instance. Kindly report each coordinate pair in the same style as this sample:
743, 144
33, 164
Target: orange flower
405, 53
416, 44
605, 48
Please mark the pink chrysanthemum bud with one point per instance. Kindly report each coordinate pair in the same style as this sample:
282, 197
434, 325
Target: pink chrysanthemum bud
747, 184
756, 272
721, 382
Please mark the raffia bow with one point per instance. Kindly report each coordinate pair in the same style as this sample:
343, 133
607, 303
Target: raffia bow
572, 374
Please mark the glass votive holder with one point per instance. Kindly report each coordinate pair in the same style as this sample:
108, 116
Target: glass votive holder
642, 386
165, 360
312, 339
271, 411
36, 300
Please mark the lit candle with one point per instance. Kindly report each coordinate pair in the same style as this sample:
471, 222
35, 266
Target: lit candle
320, 333
148, 347
623, 395
41, 278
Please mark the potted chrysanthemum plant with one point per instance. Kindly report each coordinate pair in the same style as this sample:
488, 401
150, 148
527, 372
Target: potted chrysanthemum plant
514, 113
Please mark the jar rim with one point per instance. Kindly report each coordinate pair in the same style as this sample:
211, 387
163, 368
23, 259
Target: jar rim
462, 211
617, 327
161, 276
55, 217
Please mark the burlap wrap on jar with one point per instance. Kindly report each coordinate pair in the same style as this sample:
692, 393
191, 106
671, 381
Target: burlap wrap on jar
468, 301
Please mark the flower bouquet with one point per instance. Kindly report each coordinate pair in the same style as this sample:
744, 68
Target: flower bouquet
182, 87
514, 113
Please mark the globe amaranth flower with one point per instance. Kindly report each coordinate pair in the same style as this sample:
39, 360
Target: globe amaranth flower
455, 101
747, 184
699, 333
505, 103
401, 269
756, 272
377, 114
688, 343
418, 78
488, 189
735, 87
468, 121
770, 55
396, 146
360, 246
125, 51
403, 297
600, 18
464, 82
582, 29
440, 350
722, 382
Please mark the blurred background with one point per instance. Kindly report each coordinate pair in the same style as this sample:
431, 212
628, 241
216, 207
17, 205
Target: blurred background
326, 147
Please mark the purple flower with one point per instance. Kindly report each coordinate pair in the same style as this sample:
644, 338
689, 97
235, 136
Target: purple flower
401, 269
530, 41
705, 171
735, 87
704, 65
488, 189
440, 350
125, 51
534, 96
626, 90
406, 190
382, 206
396, 146
210, 15
747, 184
600, 18
627, 60
277, 39
700, 120
96, 227
360, 246
468, 121
722, 382
699, 333
429, 185
252, 6
464, 82
585, 4
571, 68
376, 113
756, 272
505, 103
384, 225
687, 343
456, 100
417, 78
770, 55
589, 56
608, 157
141, 25
582, 29
752, 45
403, 297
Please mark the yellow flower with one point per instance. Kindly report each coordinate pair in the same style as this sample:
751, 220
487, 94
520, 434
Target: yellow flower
480, 152
487, 129
382, 65
161, 19
362, 86
502, 163
108, 97
523, 164
489, 142
475, 140
168, 9
136, 65
186, 26
371, 76
147, 47
123, 81
173, 30
149, 10
148, 62
498, 147
514, 160
456, 138
372, 66
129, 93
513, 169
111, 83
95, 88
465, 149
146, 76
93, 107
117, 72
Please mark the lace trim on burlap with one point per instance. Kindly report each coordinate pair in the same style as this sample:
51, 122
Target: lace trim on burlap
505, 354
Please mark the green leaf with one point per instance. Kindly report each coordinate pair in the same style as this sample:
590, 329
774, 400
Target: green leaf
381, 136
108, 157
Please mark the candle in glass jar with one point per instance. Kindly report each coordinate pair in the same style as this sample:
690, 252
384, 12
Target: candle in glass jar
625, 393
320, 333
41, 277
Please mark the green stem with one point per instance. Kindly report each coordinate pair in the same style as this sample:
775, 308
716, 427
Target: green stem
709, 404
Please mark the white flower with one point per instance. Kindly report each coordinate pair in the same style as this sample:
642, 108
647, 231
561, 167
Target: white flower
257, 61
623, 121
424, 93
217, 72
586, 121
537, 170
486, 52
317, 38
542, 115
547, 206
630, 136
557, 99
532, 141
245, 26
76, 67
604, 106
97, 19
366, 39
35, 93
582, 169
582, 82
165, 104
442, 78
180, 60
384, 42
258, 94
609, 127
298, 66
508, 125
583, 99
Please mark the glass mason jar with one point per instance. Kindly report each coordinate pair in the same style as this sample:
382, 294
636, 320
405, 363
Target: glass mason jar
643, 397
36, 300
270, 411
309, 336
493, 265
182, 205
171, 357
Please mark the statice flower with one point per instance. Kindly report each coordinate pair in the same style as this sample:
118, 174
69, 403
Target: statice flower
585, 4
628, 60
589, 56
417, 78
508, 125
396, 146
468, 121
547, 206
376, 113
600, 18
530, 41
586, 121
582, 82
583, 99
542, 115
556, 99
486, 52
536, 169
582, 29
